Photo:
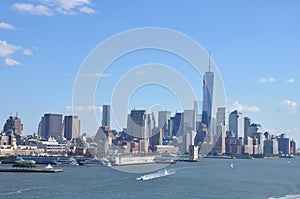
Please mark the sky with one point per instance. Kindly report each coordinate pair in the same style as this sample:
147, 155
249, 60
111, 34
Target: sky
254, 44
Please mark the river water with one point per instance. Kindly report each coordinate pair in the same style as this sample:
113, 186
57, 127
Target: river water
258, 178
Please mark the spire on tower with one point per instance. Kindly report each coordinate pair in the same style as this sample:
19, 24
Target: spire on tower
208, 61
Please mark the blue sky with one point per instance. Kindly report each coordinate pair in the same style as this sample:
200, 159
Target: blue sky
255, 45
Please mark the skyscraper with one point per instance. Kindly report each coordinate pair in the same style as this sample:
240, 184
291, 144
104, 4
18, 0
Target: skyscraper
136, 123
106, 115
13, 124
189, 120
208, 89
177, 124
247, 123
71, 127
51, 126
163, 121
221, 116
236, 124
220, 130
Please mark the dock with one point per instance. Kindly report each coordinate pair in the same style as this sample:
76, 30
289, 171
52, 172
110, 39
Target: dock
30, 170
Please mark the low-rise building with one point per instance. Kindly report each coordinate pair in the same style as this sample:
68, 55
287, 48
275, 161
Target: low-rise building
52, 147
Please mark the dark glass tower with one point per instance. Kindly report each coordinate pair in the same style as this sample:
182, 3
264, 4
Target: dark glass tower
106, 115
208, 86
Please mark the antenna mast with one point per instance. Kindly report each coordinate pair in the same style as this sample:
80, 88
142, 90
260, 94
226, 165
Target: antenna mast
208, 61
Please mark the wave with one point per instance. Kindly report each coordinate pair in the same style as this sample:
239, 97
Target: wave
297, 196
21, 191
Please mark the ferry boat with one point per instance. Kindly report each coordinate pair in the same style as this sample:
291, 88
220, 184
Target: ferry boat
66, 161
90, 162
155, 175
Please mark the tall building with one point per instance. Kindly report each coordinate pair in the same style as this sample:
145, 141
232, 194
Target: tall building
254, 129
221, 116
177, 124
271, 146
293, 147
106, 115
196, 114
221, 122
51, 126
189, 120
247, 123
236, 124
208, 89
13, 124
150, 121
136, 122
219, 147
163, 122
260, 141
284, 144
71, 127
188, 140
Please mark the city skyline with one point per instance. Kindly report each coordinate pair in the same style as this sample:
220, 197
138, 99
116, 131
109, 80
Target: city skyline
256, 54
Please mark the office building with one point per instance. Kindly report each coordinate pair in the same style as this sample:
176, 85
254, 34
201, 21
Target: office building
163, 122
136, 122
51, 126
208, 89
247, 123
106, 115
236, 123
71, 127
293, 147
188, 140
271, 146
284, 145
189, 120
254, 129
13, 124
177, 124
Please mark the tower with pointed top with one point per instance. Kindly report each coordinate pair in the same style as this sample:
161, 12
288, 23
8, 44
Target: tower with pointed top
208, 89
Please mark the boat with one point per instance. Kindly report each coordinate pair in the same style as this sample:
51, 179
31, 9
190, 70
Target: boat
106, 162
155, 175
231, 165
66, 161
287, 156
90, 162
25, 161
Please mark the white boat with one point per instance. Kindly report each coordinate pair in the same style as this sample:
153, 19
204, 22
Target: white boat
90, 162
155, 175
25, 161
231, 165
66, 161
106, 162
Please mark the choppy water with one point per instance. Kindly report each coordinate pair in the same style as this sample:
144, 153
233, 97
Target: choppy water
259, 178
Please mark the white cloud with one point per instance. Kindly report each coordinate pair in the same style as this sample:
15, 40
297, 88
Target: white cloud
7, 49
266, 80
87, 10
27, 52
51, 7
84, 108
97, 75
244, 108
32, 9
288, 105
290, 81
285, 130
6, 26
11, 62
